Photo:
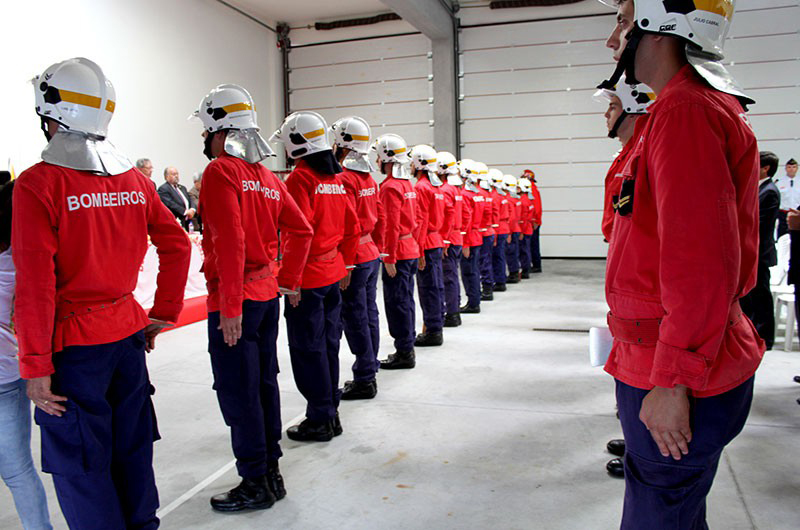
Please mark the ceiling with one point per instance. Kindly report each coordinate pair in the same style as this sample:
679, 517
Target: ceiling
305, 11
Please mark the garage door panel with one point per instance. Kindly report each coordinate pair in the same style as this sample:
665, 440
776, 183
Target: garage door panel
582, 77
765, 74
537, 33
537, 57
765, 22
780, 46
533, 128
374, 93
589, 246
372, 49
567, 223
412, 134
575, 102
371, 71
562, 175
770, 100
776, 126
566, 199
544, 152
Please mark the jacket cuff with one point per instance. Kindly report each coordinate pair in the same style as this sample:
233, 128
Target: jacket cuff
675, 366
286, 281
166, 312
33, 366
231, 306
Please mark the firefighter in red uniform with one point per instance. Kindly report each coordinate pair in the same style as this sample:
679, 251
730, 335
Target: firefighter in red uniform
81, 221
359, 300
683, 252
400, 248
491, 212
447, 168
515, 227
313, 316
501, 214
526, 201
536, 255
472, 221
244, 205
430, 220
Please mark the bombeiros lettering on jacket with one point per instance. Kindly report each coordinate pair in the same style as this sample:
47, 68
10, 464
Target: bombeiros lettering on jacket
366, 192
410, 195
478, 198
438, 196
105, 200
458, 198
254, 185
331, 189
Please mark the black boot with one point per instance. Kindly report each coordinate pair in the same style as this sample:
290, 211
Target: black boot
486, 293
429, 339
336, 425
309, 431
526, 275
399, 360
275, 481
251, 494
359, 390
469, 310
616, 468
452, 320
499, 287
513, 278
616, 447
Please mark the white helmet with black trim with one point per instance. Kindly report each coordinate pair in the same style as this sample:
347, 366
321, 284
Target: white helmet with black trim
634, 100
303, 133
392, 148
510, 183
483, 175
423, 158
353, 133
496, 178
447, 165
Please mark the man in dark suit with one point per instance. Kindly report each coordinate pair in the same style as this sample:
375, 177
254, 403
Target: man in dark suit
176, 198
758, 304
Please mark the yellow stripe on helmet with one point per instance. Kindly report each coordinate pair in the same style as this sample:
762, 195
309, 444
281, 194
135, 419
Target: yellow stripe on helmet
80, 99
236, 107
360, 138
314, 134
110, 106
723, 8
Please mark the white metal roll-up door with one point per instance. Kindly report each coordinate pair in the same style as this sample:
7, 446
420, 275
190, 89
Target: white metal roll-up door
527, 103
387, 81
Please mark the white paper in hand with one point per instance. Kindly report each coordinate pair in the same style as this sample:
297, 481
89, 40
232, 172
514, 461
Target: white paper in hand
600, 342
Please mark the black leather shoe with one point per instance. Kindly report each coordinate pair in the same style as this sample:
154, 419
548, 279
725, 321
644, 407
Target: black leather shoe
308, 431
399, 361
469, 310
424, 340
616, 447
486, 293
536, 270
797, 379
487, 297
616, 468
499, 287
513, 278
275, 482
525, 275
359, 390
336, 424
250, 494
452, 320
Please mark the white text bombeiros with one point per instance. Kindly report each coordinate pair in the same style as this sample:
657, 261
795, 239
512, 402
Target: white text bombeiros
331, 189
254, 185
105, 200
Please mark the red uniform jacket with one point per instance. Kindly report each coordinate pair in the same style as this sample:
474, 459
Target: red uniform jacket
323, 201
489, 214
475, 204
430, 214
687, 250
503, 212
453, 215
244, 205
79, 240
612, 184
527, 214
362, 190
400, 206
515, 219
537, 204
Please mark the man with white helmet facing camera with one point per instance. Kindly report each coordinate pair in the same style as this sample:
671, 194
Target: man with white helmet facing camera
400, 248
313, 316
351, 138
430, 219
82, 335
447, 168
684, 356
244, 206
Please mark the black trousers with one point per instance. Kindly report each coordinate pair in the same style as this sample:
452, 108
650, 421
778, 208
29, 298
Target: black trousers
759, 307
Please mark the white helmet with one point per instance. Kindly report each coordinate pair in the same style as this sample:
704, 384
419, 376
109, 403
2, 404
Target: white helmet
524, 184
227, 107
634, 98
392, 148
509, 182
76, 94
352, 133
423, 158
303, 133
483, 175
446, 163
496, 178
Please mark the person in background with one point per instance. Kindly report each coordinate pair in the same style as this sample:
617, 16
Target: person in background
536, 255
194, 193
146, 167
472, 222
526, 199
793, 222
175, 197
758, 304
447, 168
789, 187
515, 228
16, 462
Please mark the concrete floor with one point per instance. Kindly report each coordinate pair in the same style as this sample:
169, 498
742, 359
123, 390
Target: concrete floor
503, 427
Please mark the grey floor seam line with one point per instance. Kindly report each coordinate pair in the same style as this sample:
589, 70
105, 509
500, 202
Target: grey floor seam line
739, 491
499, 409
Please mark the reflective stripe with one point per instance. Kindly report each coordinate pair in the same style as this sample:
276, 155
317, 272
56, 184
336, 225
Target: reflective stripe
110, 106
80, 99
360, 138
314, 134
236, 107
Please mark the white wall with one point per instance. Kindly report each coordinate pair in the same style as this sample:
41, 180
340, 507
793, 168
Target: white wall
162, 56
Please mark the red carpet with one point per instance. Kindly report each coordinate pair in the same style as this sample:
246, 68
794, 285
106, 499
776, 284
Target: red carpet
194, 310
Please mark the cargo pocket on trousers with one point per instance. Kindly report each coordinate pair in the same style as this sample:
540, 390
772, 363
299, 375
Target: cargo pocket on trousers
62, 442
152, 392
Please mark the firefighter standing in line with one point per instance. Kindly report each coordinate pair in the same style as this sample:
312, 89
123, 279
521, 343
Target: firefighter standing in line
359, 306
684, 356
244, 205
472, 222
430, 219
527, 227
81, 221
515, 227
488, 225
447, 168
313, 316
536, 255
501, 204
400, 248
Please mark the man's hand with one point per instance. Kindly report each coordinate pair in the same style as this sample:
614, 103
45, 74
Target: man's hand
521, 236
190, 213
793, 219
344, 283
421, 265
508, 239
391, 269
665, 413
465, 252
294, 299
39, 392
151, 331
231, 329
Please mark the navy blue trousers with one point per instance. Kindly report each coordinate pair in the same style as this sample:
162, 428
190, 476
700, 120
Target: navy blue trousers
452, 287
430, 288
487, 278
314, 328
512, 254
499, 259
525, 254
470, 275
398, 299
100, 451
246, 382
662, 493
360, 319
536, 256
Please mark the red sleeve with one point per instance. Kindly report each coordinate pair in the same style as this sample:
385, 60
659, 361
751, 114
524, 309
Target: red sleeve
348, 246
380, 226
174, 255
423, 218
34, 244
448, 221
392, 203
222, 211
537, 207
296, 232
694, 192
467, 210
496, 208
477, 220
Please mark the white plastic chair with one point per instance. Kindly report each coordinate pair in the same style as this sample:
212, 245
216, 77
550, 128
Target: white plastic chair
785, 301
782, 292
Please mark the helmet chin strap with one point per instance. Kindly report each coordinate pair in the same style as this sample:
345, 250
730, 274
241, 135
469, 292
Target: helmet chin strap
626, 63
614, 132
207, 145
